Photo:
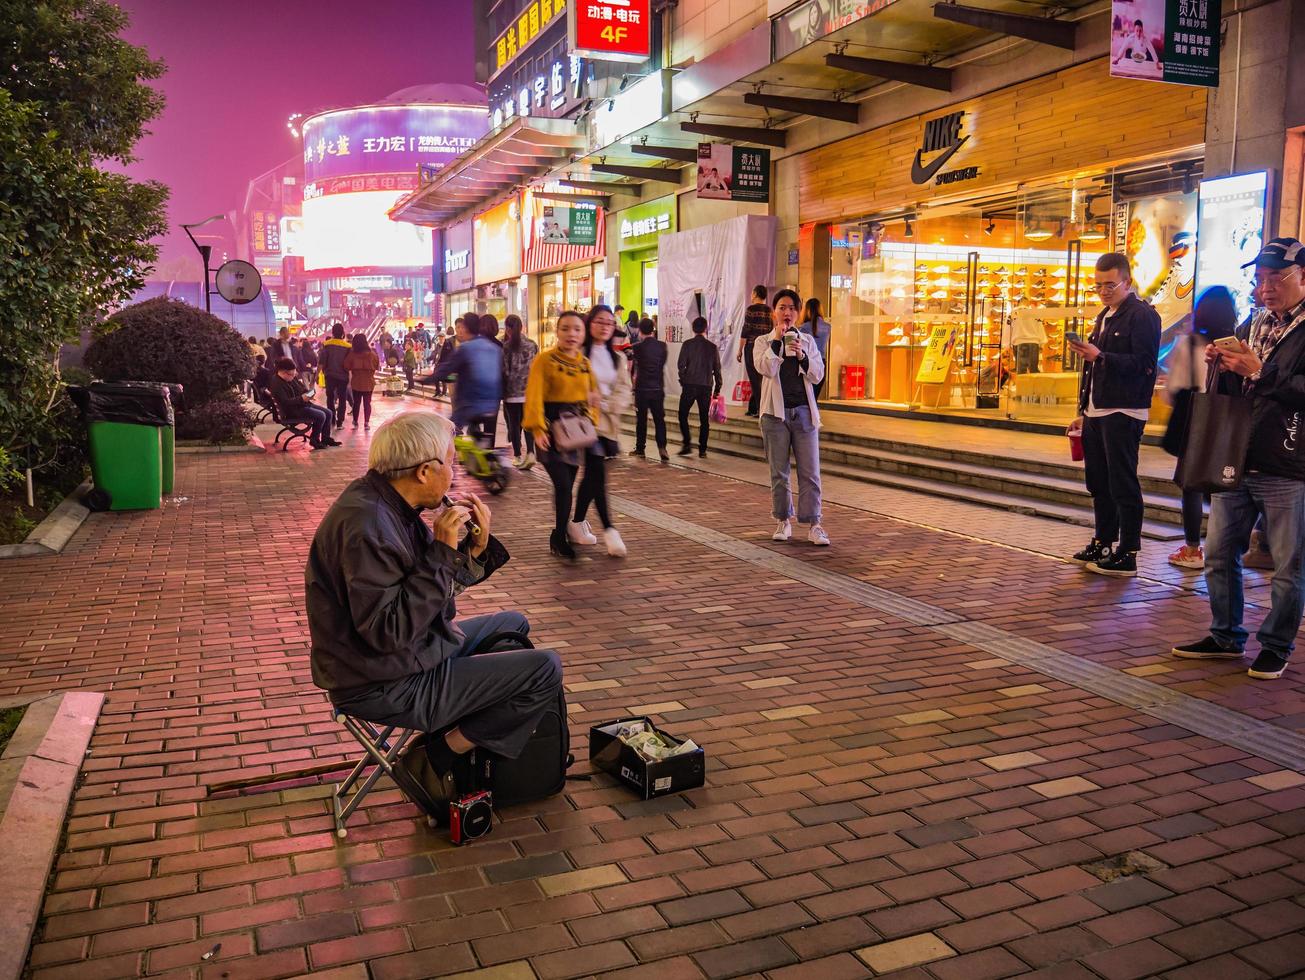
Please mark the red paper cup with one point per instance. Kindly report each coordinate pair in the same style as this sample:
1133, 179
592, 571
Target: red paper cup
1076, 446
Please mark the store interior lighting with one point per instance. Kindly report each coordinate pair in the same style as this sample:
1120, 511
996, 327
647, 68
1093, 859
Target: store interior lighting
1039, 232
909, 232
992, 226
1093, 232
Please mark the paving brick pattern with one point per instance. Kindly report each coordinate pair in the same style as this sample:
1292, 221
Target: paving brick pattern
880, 800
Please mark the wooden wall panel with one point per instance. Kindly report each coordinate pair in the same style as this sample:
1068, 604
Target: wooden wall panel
1079, 120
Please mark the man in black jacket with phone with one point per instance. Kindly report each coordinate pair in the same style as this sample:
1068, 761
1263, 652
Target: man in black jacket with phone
1114, 400
1270, 370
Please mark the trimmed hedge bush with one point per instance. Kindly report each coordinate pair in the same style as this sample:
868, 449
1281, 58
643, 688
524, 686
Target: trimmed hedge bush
167, 340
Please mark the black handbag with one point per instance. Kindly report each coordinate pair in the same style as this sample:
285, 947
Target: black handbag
1176, 430
1218, 433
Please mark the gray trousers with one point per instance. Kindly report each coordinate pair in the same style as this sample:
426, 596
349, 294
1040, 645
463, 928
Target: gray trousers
795, 433
496, 699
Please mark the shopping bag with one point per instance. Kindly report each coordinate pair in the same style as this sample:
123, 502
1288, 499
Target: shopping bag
718, 413
743, 390
321, 379
1213, 456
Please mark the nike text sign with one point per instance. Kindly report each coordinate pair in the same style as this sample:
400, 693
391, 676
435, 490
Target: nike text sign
941, 141
610, 30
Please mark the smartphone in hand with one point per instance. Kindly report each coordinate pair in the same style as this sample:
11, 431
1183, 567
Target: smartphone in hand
1229, 345
1073, 337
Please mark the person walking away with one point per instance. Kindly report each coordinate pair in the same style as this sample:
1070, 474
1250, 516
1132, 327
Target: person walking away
560, 383
447, 347
331, 362
700, 380
1027, 337
519, 353
478, 365
1270, 371
361, 363
757, 323
613, 382
311, 361
632, 327
1214, 317
410, 363
489, 328
789, 364
648, 364
295, 404
815, 324
1119, 373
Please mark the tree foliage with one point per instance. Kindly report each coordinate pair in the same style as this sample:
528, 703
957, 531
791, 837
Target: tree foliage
75, 240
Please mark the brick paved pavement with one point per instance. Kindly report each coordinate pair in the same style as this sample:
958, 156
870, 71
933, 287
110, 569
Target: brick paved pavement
880, 800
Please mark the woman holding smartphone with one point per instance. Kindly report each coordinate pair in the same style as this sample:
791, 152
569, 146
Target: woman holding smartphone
561, 382
790, 364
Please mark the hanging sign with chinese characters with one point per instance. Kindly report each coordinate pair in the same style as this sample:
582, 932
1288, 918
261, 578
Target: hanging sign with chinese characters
610, 30
733, 173
534, 18
1166, 41
559, 224
548, 95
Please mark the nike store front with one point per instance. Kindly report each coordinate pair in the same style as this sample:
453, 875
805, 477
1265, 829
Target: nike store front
953, 268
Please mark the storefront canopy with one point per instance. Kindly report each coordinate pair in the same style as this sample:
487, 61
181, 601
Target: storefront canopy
497, 164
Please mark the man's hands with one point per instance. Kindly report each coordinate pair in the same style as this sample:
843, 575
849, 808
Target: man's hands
1243, 362
449, 525
1075, 427
1089, 352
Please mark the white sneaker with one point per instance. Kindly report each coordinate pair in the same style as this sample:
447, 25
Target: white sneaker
783, 531
615, 546
527, 461
517, 461
818, 537
579, 533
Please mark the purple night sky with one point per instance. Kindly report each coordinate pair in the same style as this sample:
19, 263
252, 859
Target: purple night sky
238, 69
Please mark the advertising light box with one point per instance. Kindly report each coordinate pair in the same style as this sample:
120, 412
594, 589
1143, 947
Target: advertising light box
351, 230
610, 30
388, 139
1230, 232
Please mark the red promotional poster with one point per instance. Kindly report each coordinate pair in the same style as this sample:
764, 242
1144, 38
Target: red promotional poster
610, 30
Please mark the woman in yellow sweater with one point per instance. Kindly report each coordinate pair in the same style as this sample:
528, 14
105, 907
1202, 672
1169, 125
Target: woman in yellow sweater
560, 381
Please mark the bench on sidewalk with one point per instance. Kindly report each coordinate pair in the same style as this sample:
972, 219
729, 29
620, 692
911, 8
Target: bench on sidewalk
297, 428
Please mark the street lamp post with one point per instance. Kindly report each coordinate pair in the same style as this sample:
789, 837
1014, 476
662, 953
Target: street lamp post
205, 252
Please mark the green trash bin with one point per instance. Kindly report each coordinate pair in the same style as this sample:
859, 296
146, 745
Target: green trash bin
125, 425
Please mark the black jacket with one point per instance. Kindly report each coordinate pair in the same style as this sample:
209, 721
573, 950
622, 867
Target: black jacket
380, 590
1124, 375
289, 396
278, 349
648, 358
699, 363
1277, 405
334, 351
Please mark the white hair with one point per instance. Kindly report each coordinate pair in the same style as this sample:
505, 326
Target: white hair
409, 439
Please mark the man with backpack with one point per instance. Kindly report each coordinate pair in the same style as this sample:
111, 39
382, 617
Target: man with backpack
381, 584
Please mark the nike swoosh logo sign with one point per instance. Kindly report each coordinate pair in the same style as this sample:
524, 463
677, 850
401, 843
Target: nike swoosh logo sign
922, 175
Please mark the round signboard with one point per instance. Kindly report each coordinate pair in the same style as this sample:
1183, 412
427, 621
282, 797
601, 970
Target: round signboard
238, 282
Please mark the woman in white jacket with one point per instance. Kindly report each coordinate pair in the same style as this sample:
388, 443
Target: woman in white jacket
790, 364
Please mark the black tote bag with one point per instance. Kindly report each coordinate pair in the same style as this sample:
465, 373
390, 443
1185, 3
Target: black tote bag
1213, 459
1176, 431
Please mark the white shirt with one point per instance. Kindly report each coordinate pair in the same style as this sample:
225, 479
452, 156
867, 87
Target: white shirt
604, 368
1141, 414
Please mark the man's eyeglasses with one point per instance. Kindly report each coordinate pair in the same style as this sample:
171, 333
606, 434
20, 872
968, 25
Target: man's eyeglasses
1106, 287
1273, 280
415, 466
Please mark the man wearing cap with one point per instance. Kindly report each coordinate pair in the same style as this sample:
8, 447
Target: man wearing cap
1269, 370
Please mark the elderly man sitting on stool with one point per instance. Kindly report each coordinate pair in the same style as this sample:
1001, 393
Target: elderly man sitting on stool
381, 607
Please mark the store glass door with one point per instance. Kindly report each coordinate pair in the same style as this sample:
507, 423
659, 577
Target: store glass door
874, 344
648, 270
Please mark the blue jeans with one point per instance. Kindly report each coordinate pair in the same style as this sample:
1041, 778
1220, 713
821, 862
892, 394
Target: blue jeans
1232, 516
794, 432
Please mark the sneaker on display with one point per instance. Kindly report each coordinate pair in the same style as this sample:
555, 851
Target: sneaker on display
615, 546
1095, 551
783, 531
1207, 648
579, 533
1267, 666
1120, 564
818, 537
1188, 556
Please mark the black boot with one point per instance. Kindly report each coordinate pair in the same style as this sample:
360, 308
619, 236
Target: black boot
560, 546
